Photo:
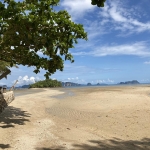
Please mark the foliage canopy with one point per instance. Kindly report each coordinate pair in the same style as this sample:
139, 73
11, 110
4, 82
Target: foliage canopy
99, 3
4, 69
32, 33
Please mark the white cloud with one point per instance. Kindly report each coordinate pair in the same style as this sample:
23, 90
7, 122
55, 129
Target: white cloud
108, 81
116, 15
136, 49
72, 79
77, 8
123, 19
147, 62
145, 80
77, 70
26, 80
75, 80
95, 28
2, 83
72, 73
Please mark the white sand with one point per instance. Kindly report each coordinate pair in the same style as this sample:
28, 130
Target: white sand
113, 118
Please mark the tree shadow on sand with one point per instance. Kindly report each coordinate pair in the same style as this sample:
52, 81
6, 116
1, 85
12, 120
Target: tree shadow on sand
58, 148
115, 144
4, 146
112, 144
12, 116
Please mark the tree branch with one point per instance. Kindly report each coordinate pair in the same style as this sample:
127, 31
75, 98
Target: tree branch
4, 75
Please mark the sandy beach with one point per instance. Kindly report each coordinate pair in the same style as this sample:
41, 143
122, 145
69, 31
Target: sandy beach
93, 118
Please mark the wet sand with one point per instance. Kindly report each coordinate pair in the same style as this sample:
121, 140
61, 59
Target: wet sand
96, 118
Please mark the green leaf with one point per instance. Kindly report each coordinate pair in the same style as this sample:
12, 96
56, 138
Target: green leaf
11, 64
94, 2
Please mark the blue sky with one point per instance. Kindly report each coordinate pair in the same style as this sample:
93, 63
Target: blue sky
118, 46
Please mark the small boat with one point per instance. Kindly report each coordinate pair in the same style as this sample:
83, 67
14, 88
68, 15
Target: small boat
6, 97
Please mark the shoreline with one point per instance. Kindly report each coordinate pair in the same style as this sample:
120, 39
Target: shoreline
25, 91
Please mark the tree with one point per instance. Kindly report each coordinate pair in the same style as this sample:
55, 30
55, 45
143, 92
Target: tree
27, 28
32, 33
5, 69
99, 3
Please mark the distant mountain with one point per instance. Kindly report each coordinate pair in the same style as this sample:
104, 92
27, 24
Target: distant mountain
70, 84
25, 86
101, 84
89, 84
130, 82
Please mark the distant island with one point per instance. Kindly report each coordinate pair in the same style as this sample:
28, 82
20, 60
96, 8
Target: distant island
49, 83
70, 84
130, 82
52, 83
46, 84
55, 83
25, 86
101, 84
89, 84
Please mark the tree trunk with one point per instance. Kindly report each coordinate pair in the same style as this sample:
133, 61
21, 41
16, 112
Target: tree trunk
4, 75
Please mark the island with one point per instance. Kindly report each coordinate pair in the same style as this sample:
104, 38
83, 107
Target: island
70, 84
101, 84
89, 84
130, 82
48, 83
